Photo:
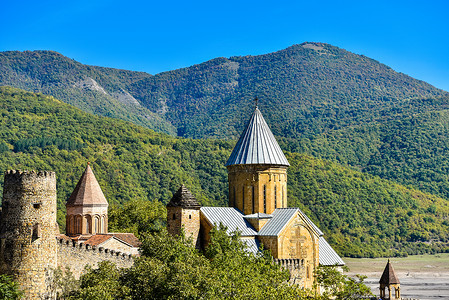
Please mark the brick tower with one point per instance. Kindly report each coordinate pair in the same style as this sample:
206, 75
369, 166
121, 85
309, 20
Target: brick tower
257, 170
183, 213
28, 248
87, 207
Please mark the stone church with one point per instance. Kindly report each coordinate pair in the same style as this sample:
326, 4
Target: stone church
257, 175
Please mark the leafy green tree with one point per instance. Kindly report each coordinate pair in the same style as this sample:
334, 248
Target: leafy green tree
103, 283
9, 289
65, 285
137, 216
335, 285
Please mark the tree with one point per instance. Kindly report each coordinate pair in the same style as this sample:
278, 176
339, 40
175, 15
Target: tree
335, 285
9, 289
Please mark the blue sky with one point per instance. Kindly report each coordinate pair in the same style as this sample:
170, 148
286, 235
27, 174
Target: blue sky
412, 37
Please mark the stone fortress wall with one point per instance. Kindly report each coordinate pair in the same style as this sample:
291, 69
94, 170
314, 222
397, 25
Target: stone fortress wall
27, 237
30, 247
77, 255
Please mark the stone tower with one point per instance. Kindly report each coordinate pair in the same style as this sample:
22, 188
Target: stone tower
390, 281
183, 213
257, 170
87, 208
28, 248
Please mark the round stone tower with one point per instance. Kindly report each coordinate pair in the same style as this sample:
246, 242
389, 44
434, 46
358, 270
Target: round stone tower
28, 248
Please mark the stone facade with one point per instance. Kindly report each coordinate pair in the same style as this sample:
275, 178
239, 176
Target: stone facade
77, 255
257, 188
28, 248
188, 220
297, 241
31, 247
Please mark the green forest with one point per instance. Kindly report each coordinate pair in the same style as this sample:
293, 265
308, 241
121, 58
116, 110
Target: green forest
361, 214
318, 99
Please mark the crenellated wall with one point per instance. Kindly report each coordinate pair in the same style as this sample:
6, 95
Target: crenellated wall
77, 255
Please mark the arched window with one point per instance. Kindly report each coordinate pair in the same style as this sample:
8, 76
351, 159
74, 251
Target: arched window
243, 199
275, 197
88, 224
78, 220
96, 225
253, 199
265, 199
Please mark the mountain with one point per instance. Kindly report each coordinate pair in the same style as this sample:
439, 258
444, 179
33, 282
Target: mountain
319, 99
361, 214
97, 90
305, 89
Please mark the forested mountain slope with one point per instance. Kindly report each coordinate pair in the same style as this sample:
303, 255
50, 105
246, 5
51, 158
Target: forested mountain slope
362, 215
323, 101
97, 90
304, 89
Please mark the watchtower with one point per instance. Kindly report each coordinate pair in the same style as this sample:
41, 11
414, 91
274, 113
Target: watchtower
183, 213
28, 248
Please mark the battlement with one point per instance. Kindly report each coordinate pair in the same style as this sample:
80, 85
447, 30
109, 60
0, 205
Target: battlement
76, 255
32, 173
89, 248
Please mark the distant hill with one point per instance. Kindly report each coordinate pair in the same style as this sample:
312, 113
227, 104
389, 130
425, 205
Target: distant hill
305, 89
97, 90
319, 99
361, 214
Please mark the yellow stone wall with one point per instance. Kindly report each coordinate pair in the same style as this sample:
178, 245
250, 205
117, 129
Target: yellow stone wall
188, 219
248, 180
296, 241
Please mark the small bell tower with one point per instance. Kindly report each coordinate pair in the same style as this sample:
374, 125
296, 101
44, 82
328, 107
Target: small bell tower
390, 281
183, 213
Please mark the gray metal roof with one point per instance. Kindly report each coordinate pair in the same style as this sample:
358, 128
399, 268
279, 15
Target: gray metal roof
253, 245
230, 217
257, 145
281, 216
328, 256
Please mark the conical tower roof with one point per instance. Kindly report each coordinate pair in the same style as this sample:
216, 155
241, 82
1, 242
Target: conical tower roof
184, 198
257, 145
389, 276
87, 191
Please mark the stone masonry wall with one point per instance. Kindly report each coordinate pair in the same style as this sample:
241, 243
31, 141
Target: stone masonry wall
77, 255
247, 182
27, 238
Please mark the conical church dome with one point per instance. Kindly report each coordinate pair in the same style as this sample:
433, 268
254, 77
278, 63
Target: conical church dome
257, 145
87, 191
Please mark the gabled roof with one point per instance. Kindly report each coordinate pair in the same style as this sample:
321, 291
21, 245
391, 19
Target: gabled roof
230, 217
389, 276
257, 145
281, 217
327, 255
184, 198
87, 191
126, 238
